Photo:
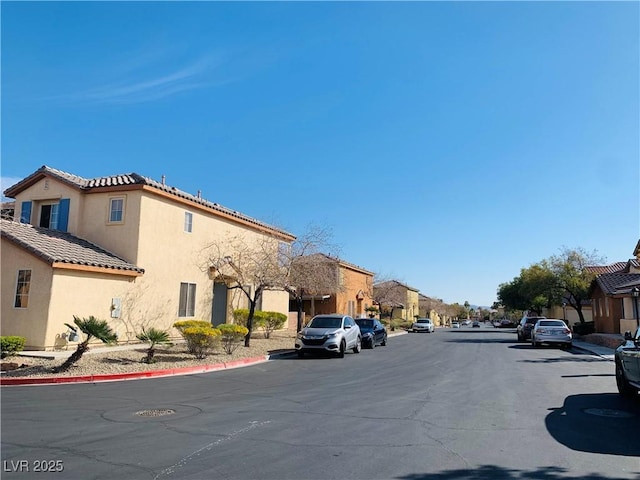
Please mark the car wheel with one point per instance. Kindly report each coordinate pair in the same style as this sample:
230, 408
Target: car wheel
384, 341
300, 354
358, 346
624, 387
343, 347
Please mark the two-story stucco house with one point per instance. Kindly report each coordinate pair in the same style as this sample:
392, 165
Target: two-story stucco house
396, 297
352, 295
124, 248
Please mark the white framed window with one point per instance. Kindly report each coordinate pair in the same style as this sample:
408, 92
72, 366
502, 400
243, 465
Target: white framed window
49, 213
23, 285
188, 222
187, 304
116, 210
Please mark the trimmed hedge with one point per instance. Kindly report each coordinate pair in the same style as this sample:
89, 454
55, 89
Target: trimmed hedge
267, 321
232, 336
10, 345
199, 335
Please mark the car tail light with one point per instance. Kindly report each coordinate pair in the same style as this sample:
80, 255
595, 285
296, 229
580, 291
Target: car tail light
567, 331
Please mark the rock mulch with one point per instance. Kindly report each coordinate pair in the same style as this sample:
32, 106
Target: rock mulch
130, 360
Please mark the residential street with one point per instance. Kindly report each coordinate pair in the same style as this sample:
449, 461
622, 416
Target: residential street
463, 403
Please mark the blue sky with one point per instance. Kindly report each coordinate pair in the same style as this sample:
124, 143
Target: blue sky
446, 144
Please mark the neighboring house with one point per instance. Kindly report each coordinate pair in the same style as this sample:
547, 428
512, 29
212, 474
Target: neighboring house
8, 209
124, 248
432, 308
615, 307
353, 293
398, 299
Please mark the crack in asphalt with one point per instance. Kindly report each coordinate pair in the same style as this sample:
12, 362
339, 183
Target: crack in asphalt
169, 471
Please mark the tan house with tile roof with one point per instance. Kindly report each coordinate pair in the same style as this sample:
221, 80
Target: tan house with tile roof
353, 296
403, 299
615, 308
124, 248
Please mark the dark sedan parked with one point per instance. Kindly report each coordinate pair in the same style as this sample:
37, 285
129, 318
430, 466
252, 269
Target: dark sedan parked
373, 332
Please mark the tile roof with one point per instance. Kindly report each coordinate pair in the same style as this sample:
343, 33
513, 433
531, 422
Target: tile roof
618, 283
341, 262
54, 246
87, 184
618, 267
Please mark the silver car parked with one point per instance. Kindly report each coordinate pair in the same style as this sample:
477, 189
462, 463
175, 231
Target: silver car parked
551, 331
334, 334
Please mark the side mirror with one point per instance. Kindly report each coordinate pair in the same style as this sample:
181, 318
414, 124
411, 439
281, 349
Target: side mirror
627, 335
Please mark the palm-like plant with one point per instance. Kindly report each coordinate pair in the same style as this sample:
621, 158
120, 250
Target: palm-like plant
92, 328
154, 337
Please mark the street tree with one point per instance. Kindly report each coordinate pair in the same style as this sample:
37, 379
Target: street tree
562, 278
249, 265
253, 265
573, 278
389, 295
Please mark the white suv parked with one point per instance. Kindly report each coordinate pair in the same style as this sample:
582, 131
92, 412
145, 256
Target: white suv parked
329, 334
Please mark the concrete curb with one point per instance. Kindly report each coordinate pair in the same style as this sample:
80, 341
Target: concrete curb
141, 375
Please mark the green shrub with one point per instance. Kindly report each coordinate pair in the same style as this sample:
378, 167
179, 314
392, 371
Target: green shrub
182, 324
232, 336
200, 339
240, 316
270, 321
11, 345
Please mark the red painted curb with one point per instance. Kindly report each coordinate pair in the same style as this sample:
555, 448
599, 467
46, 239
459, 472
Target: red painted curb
133, 375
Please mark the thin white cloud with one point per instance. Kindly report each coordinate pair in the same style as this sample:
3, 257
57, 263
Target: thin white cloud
149, 88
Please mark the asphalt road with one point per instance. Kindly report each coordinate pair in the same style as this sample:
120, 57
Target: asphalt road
455, 404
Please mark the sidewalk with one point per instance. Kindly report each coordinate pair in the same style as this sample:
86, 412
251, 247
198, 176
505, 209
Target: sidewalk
601, 351
601, 344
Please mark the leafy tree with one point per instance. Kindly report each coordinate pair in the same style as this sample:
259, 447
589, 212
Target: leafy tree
153, 337
92, 328
572, 276
560, 278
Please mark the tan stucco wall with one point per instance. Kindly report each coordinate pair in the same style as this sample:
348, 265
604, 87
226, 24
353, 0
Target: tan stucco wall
24, 322
353, 282
83, 294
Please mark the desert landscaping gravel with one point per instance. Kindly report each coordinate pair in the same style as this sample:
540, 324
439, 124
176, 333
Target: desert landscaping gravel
118, 361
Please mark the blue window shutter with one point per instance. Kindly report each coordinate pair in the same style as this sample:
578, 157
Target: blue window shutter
63, 215
25, 212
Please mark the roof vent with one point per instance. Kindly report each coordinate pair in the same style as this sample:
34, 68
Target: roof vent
199, 193
164, 178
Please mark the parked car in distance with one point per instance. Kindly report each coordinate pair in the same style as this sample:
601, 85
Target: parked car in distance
475, 325
455, 324
373, 332
334, 334
504, 323
627, 359
525, 326
466, 322
423, 325
551, 331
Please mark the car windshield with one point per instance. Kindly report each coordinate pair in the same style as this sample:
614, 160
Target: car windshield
551, 323
325, 322
532, 320
364, 322
424, 320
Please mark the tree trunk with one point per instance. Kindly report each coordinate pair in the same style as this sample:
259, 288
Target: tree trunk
75, 356
252, 309
299, 305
